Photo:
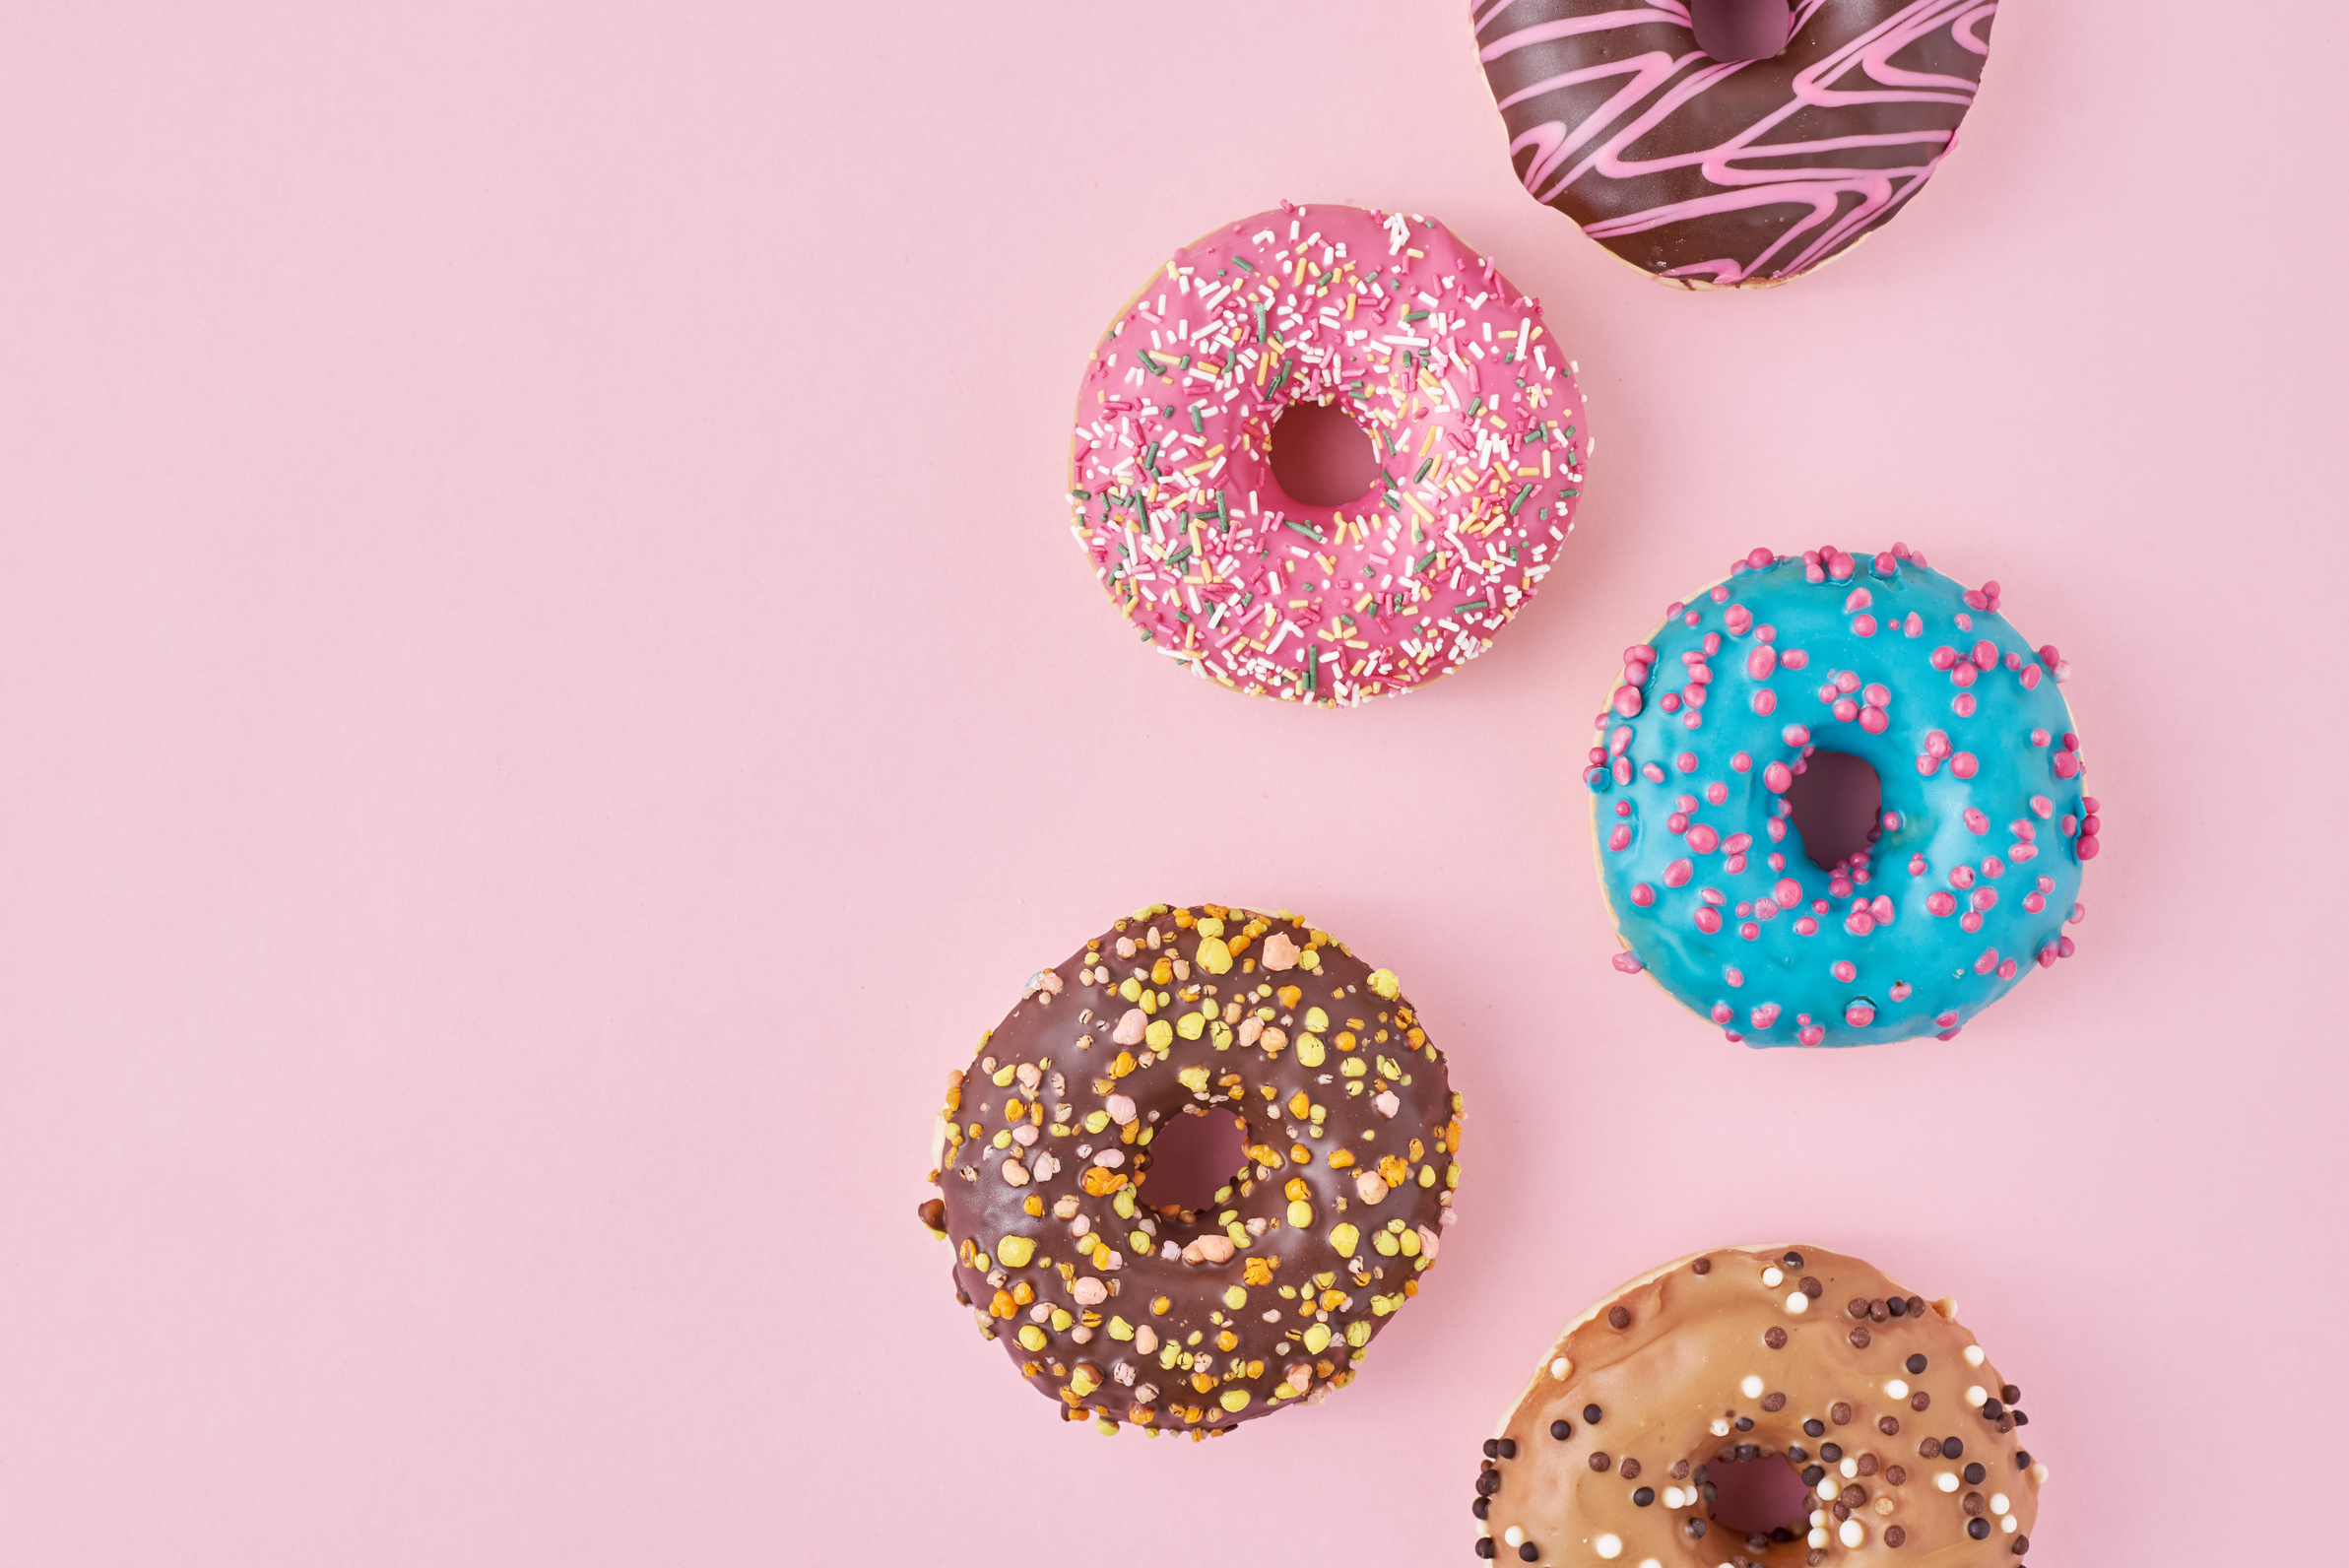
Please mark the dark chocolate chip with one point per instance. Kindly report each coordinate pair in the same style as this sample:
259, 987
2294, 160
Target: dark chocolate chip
1696, 1528
1897, 1307
1952, 1447
1979, 1528
1561, 1430
1703, 1266
1915, 1364
1896, 1537
1591, 1414
1744, 1423
1812, 1474
1618, 1317
2020, 1419
1481, 1508
1488, 1484
1529, 1552
1599, 1462
1974, 1473
1794, 1259
1492, 1447
1643, 1497
2022, 1544
1812, 1289
1814, 1428
1484, 1546
2010, 1394
1832, 1453
2022, 1459
1991, 1409
1508, 1446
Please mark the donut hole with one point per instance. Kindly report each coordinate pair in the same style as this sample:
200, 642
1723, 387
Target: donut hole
1192, 1158
1319, 455
1836, 803
1741, 30
1754, 1497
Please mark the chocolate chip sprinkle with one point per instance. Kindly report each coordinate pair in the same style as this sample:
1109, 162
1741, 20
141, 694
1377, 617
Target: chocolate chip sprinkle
1814, 1428
1618, 1317
1856, 1306
1896, 1537
1703, 1266
1529, 1552
1896, 1475
1921, 1400
1860, 1337
1812, 1287
1952, 1447
1600, 1461
1629, 1469
1888, 1426
1507, 1447
1484, 1546
1930, 1448
1591, 1414
1794, 1259
1974, 1473
1840, 1413
1643, 1497
1561, 1430
1775, 1338
1979, 1528
1774, 1403
1915, 1364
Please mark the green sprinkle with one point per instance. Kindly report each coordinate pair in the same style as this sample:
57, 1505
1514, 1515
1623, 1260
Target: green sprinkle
1198, 426
1179, 556
1243, 261
1477, 406
1425, 465
1143, 354
1424, 561
1473, 604
1307, 528
1281, 374
1417, 315
1520, 497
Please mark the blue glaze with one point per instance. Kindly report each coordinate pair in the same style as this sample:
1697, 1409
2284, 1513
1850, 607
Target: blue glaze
1922, 972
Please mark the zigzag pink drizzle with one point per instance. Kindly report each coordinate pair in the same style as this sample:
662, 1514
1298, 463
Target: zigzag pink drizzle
1838, 65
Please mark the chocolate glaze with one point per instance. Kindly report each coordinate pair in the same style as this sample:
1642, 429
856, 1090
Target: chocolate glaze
1708, 174
1173, 1319
1833, 1386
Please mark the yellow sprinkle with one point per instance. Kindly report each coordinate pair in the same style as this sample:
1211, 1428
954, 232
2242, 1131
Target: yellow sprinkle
1382, 982
1031, 1338
1300, 1214
1317, 1338
1234, 1399
1015, 1252
1344, 1237
1214, 956
1159, 1035
1235, 1298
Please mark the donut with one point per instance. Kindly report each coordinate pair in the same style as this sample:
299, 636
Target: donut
1169, 1319
1470, 407
1730, 173
1975, 866
1908, 1439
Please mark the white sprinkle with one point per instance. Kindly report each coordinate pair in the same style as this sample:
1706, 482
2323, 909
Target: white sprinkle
1608, 1545
1516, 1536
1851, 1534
1772, 1276
1974, 1356
1849, 1468
1818, 1538
1976, 1394
2039, 1473
1796, 1301
1751, 1388
2008, 1525
1897, 1389
1673, 1497
1560, 1367
1997, 1502
1720, 1428
1829, 1491
1947, 1480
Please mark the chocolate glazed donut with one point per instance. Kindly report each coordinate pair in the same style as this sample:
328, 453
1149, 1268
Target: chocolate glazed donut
1713, 173
1168, 1318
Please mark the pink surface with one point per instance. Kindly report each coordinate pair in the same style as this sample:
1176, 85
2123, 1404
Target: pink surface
546, 698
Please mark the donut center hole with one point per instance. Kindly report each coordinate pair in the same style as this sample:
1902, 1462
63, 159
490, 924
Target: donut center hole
1741, 30
1755, 1496
1192, 1159
1837, 801
1319, 455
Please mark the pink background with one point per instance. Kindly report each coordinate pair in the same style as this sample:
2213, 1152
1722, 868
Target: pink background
546, 698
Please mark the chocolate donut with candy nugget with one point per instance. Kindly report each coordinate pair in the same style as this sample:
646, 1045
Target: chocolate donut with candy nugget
1896, 1439
1195, 1319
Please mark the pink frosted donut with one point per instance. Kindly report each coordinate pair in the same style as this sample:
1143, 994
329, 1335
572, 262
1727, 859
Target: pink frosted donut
1470, 405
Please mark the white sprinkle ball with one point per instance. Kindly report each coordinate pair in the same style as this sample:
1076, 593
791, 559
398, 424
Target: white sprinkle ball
1796, 1301
1608, 1545
1974, 1356
1976, 1394
1560, 1367
1516, 1536
1947, 1480
1852, 1534
1997, 1502
1773, 1276
1751, 1388
1897, 1389
1829, 1491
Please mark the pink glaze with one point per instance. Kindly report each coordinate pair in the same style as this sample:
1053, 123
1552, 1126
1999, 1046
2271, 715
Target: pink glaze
1470, 407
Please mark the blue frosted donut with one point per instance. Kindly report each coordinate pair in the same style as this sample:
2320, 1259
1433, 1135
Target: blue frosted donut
1974, 869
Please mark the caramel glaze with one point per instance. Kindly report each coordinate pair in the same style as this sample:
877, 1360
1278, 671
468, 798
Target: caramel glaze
1679, 1362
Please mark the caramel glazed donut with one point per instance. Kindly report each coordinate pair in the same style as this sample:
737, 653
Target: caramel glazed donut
1906, 1435
1163, 1317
